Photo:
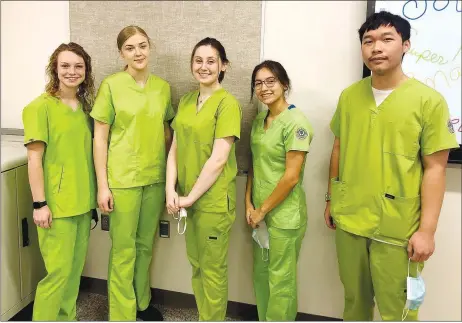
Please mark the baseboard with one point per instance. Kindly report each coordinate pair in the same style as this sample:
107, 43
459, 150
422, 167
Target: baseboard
241, 311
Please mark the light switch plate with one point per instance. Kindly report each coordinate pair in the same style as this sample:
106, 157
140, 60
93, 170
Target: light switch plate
164, 229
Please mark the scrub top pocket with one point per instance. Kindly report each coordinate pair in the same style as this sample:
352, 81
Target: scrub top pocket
55, 175
399, 218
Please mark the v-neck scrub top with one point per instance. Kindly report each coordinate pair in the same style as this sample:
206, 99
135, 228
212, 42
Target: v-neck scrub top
219, 117
136, 153
289, 131
377, 193
69, 175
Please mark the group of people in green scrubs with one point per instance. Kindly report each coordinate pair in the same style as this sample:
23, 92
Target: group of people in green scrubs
127, 153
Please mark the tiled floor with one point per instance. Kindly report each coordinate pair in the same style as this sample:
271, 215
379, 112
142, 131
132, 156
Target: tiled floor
93, 307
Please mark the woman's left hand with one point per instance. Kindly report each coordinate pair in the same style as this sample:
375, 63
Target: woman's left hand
185, 202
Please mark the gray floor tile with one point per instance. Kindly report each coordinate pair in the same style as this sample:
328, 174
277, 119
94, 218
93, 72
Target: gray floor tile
93, 307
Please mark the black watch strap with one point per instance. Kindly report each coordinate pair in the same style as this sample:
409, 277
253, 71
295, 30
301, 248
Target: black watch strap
38, 205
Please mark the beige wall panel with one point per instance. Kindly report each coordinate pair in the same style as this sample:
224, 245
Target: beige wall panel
175, 27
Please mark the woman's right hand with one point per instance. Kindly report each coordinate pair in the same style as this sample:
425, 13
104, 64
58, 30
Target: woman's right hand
42, 217
172, 202
105, 201
249, 208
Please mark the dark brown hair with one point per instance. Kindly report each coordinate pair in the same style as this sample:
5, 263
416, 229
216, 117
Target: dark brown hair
218, 47
86, 90
278, 71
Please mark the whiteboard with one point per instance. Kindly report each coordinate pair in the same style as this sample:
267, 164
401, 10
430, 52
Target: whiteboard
435, 54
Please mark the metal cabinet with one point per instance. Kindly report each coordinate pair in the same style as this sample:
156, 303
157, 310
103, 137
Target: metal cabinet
31, 261
22, 265
10, 268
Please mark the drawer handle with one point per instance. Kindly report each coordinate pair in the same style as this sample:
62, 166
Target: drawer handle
25, 233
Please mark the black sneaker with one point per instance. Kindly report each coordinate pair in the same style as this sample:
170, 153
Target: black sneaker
150, 314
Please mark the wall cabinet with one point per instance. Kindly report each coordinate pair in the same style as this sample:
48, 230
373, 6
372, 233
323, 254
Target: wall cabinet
21, 262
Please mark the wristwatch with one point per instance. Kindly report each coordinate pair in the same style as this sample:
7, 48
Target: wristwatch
327, 197
38, 205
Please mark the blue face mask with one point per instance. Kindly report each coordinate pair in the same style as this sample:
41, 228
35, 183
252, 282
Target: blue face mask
415, 291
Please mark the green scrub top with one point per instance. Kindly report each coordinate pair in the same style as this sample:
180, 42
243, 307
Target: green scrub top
290, 130
136, 153
219, 117
377, 192
69, 175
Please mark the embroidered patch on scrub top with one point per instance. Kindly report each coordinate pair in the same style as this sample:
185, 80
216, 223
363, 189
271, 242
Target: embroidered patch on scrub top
301, 133
450, 126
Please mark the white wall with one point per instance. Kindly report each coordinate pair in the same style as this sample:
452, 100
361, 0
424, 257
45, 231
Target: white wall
31, 30
442, 273
318, 45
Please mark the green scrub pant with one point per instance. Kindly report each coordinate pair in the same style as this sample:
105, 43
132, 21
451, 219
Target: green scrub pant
64, 249
133, 225
371, 268
275, 278
207, 241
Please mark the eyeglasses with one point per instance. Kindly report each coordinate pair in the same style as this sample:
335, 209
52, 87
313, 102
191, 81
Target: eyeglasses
269, 82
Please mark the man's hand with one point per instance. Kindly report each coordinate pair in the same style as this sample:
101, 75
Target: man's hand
421, 246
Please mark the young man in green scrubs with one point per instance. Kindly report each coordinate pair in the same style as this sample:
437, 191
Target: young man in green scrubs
387, 174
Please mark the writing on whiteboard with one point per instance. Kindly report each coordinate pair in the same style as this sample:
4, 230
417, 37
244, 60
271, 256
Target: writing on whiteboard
414, 10
435, 56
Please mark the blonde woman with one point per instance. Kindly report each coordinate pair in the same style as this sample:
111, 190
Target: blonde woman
131, 115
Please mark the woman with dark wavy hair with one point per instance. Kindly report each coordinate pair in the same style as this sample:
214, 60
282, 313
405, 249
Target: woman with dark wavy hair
58, 137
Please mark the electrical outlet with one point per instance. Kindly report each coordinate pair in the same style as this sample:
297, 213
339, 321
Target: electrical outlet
104, 222
164, 229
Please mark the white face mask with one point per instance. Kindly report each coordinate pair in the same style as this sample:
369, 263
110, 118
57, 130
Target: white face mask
261, 236
182, 214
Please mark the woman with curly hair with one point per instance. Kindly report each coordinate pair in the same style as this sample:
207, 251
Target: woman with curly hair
58, 137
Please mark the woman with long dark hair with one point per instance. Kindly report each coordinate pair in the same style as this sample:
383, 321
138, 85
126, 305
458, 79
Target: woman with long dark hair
202, 161
275, 197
